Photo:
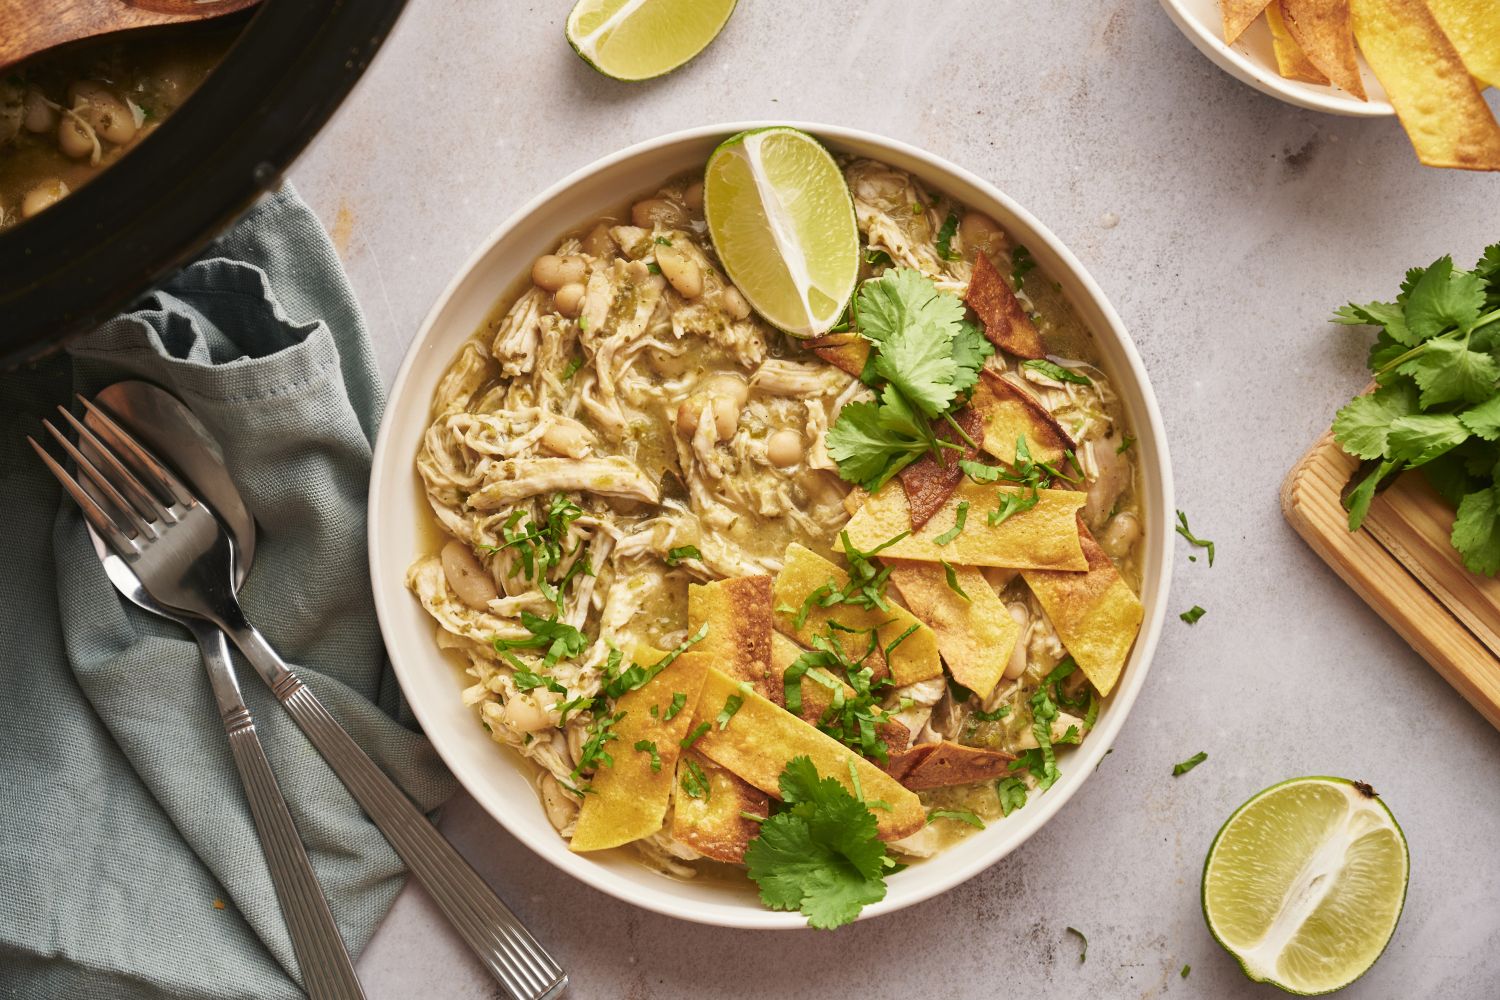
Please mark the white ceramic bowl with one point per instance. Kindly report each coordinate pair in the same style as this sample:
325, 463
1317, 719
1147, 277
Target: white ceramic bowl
1252, 60
398, 513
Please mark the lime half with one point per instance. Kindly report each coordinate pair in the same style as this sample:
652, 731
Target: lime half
639, 39
1305, 882
782, 222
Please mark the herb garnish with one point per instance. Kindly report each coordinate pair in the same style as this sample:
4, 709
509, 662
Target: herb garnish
557, 638
647, 746
945, 237
636, 676
951, 576
572, 369
1012, 794
1126, 443
693, 736
1083, 953
676, 557
1186, 532
994, 716
961, 815
1191, 615
1021, 263
1057, 372
731, 705
679, 700
926, 358
821, 854
695, 782
961, 514
593, 755
878, 258
850, 719
1190, 763
1185, 970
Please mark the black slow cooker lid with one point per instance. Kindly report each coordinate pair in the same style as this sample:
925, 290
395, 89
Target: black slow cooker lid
83, 259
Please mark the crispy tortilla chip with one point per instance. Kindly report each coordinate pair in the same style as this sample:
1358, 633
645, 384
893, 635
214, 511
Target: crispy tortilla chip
760, 738
628, 800
846, 351
1008, 412
1473, 26
1440, 107
1005, 322
975, 636
738, 614
929, 481
914, 659
1096, 614
817, 693
1291, 61
714, 825
1321, 28
1044, 537
1239, 15
941, 765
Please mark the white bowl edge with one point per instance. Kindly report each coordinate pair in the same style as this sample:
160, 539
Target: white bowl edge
1251, 60
430, 682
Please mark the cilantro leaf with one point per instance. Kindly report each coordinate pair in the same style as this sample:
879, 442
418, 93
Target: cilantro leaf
1387, 315
959, 815
969, 350
1447, 370
1476, 531
1057, 372
1190, 763
1483, 420
1359, 498
867, 450
1187, 532
1191, 615
903, 299
1012, 794
1421, 437
1083, 953
945, 237
679, 555
1363, 424
1442, 299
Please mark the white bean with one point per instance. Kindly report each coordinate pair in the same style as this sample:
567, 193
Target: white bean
981, 232
1017, 665
567, 439
734, 303
468, 578
530, 712
784, 448
651, 212
598, 243
681, 270
692, 196
569, 299
551, 272
108, 115
1120, 535
75, 137
41, 197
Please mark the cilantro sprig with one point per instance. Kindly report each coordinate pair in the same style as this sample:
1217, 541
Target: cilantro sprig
926, 358
1436, 362
821, 854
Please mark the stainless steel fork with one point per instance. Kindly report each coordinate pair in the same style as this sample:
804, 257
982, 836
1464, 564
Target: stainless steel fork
185, 560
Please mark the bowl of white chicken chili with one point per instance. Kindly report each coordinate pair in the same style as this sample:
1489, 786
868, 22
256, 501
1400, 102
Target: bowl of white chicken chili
667, 590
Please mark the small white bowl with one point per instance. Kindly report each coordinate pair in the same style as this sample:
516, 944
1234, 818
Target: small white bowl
399, 515
1253, 61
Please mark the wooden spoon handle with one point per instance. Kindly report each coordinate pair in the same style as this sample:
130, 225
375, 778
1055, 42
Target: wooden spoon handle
32, 27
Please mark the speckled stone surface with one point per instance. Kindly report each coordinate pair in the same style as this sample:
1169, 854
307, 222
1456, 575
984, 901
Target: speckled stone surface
1241, 223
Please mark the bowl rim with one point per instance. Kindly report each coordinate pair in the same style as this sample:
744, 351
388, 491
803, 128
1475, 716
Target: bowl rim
1148, 425
1314, 97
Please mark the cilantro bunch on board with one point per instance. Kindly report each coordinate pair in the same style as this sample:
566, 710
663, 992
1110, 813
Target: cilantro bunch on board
1436, 407
821, 854
925, 358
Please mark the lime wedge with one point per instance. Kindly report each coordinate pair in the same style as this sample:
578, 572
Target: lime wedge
639, 39
1305, 882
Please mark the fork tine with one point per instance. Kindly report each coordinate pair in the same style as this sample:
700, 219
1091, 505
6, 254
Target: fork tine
92, 512
122, 476
141, 455
123, 506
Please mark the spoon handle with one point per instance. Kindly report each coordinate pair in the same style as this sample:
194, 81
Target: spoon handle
486, 924
327, 971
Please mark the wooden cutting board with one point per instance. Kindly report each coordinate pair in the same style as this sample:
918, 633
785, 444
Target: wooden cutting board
1403, 566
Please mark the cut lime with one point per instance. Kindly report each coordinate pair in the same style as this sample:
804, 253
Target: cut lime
1305, 882
782, 221
639, 39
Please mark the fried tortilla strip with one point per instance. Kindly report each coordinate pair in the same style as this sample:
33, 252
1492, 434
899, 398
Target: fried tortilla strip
1321, 28
760, 738
738, 614
817, 693
1008, 412
846, 351
930, 480
1044, 537
713, 825
628, 800
1096, 614
913, 659
975, 636
1005, 322
1436, 99
1473, 26
1291, 61
1239, 15
941, 765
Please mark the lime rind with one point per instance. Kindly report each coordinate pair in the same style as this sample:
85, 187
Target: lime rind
636, 40
781, 203
1363, 803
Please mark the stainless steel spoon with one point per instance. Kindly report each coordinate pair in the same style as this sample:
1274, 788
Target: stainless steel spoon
157, 417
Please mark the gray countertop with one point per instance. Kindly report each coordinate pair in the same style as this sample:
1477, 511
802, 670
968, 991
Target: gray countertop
1241, 223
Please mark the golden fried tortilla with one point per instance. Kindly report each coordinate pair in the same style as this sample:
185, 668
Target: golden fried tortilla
738, 614
1321, 29
1444, 115
628, 799
1239, 15
845, 351
760, 738
1291, 61
941, 765
713, 824
1473, 26
1044, 537
803, 572
975, 635
1005, 322
1007, 413
1096, 614
930, 480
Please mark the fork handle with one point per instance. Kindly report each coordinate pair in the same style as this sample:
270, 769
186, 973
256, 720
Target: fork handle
522, 967
327, 971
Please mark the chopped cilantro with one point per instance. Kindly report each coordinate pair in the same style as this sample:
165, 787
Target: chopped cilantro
662, 241
593, 755
693, 736
1012, 794
679, 700
1189, 764
1056, 371
1021, 264
636, 675
1126, 443
1191, 615
653, 267
945, 237
1185, 970
961, 515
526, 680
901, 638
646, 746
695, 782
994, 716
583, 324
878, 258
731, 705
679, 555
959, 815
572, 369
1186, 532
1083, 952
951, 575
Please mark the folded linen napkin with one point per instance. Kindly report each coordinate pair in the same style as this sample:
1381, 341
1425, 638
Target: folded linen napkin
128, 863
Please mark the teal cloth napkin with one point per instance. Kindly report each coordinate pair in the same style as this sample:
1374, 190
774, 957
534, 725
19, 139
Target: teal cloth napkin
128, 863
